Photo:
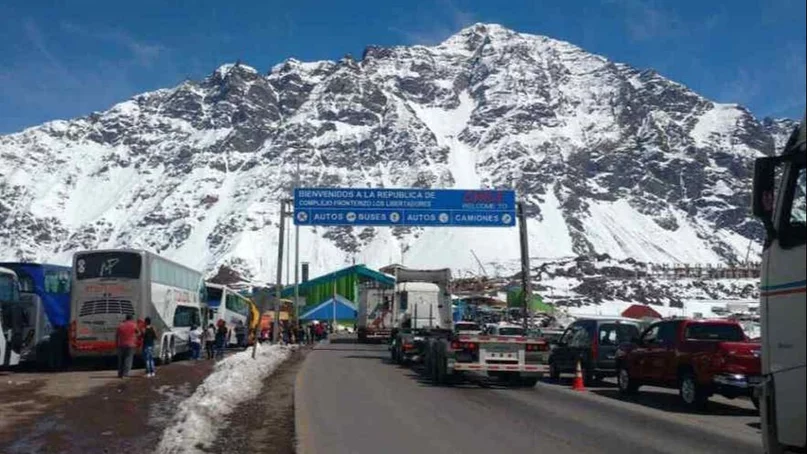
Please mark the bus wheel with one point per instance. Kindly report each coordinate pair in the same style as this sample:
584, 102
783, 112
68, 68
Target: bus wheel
165, 353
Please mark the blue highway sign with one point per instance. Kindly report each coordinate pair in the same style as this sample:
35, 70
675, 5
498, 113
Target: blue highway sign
404, 207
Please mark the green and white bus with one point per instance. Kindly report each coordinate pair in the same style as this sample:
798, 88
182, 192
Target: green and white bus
109, 284
224, 303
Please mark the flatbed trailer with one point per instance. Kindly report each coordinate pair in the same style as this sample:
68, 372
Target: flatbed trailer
449, 356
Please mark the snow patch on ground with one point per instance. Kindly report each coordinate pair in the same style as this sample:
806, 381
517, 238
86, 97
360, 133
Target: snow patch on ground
236, 379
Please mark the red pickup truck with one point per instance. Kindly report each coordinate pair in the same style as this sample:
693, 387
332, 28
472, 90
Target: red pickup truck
699, 357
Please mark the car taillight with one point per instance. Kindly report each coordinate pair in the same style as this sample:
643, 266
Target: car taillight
542, 347
456, 345
408, 346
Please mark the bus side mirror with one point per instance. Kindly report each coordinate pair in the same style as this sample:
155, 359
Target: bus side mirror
764, 200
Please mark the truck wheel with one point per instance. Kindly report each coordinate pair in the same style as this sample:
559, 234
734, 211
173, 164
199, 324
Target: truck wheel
165, 353
554, 372
528, 382
440, 376
691, 392
589, 377
627, 385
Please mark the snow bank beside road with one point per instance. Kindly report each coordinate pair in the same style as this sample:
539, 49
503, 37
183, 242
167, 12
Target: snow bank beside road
236, 379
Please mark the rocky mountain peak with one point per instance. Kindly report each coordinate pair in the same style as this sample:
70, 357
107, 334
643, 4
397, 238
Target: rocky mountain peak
609, 159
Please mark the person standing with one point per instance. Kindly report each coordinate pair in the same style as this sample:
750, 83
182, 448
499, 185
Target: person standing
149, 336
195, 337
221, 339
210, 339
126, 341
240, 334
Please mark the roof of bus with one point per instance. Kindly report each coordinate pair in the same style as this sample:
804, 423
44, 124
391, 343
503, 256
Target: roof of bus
13, 265
137, 251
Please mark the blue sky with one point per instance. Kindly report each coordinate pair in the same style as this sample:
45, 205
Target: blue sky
66, 59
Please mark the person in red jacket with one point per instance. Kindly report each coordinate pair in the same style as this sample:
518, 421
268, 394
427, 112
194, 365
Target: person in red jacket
126, 341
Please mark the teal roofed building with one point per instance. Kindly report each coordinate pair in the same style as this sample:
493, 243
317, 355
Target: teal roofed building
344, 284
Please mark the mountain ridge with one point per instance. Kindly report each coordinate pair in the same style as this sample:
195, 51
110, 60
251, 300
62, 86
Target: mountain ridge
609, 159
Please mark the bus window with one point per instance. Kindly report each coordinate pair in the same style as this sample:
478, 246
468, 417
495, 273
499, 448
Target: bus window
186, 316
57, 282
108, 264
798, 209
26, 282
8, 288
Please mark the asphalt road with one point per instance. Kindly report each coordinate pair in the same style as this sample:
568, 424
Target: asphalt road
350, 399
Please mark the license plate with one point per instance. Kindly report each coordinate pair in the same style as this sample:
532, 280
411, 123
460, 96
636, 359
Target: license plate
501, 348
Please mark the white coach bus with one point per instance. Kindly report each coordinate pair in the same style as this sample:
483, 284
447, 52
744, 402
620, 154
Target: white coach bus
109, 284
782, 207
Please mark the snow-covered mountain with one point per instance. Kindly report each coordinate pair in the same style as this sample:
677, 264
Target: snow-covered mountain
610, 159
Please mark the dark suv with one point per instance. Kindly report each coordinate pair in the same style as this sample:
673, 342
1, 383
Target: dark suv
593, 341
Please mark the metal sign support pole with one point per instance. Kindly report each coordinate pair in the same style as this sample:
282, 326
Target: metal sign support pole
279, 284
297, 257
526, 282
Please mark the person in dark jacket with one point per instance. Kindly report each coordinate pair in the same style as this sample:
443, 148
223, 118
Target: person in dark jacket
149, 337
221, 339
241, 334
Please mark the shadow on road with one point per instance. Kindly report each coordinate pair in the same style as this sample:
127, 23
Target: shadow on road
567, 382
326, 348
374, 358
672, 403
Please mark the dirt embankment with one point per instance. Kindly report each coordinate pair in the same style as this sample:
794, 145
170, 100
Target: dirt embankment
92, 411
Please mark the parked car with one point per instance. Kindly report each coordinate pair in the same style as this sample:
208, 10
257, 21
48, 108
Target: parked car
506, 329
593, 342
466, 327
699, 357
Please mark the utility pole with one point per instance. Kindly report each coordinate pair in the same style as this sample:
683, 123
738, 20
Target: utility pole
297, 254
279, 283
526, 282
288, 255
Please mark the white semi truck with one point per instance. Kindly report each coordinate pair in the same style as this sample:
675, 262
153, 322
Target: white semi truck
779, 201
374, 315
449, 354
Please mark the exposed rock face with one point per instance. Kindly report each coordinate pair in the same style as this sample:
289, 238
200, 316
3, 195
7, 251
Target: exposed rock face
610, 159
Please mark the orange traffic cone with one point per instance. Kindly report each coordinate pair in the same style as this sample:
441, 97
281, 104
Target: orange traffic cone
577, 384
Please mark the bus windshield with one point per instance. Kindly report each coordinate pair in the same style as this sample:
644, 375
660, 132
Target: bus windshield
108, 264
8, 288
